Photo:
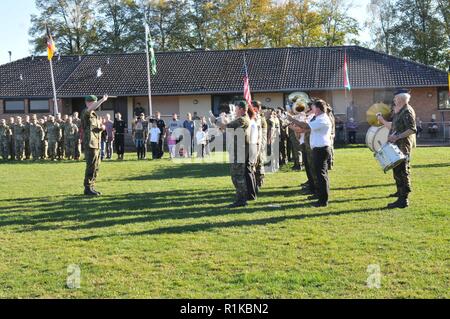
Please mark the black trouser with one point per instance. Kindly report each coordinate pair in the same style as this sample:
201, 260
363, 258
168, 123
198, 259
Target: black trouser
120, 143
251, 181
161, 148
321, 156
351, 137
155, 150
308, 169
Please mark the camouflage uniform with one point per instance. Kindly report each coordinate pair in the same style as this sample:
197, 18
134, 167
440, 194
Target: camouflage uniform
11, 143
238, 169
92, 129
44, 145
70, 139
77, 154
27, 140
403, 121
309, 167
333, 134
262, 150
53, 135
5, 135
36, 137
19, 141
61, 141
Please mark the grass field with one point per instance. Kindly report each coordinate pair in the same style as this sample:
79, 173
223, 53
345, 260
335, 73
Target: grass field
162, 230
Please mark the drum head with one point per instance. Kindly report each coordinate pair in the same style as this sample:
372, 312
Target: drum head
376, 137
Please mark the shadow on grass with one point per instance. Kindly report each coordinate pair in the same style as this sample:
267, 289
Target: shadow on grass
238, 223
436, 165
125, 209
185, 170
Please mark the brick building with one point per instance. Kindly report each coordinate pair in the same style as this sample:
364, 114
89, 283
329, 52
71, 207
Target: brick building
199, 81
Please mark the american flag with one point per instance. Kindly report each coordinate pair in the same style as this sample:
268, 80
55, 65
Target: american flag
247, 94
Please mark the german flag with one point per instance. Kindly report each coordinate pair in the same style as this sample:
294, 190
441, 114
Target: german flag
51, 48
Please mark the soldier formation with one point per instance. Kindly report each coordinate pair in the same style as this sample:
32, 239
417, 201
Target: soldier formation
50, 137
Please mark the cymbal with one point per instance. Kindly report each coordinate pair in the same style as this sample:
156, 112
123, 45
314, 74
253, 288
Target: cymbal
372, 112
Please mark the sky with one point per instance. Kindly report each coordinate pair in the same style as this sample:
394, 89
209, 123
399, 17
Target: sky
15, 24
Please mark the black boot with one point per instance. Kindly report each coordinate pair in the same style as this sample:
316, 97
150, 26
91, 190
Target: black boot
237, 204
98, 193
401, 202
90, 192
396, 194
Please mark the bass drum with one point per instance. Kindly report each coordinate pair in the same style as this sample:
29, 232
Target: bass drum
376, 137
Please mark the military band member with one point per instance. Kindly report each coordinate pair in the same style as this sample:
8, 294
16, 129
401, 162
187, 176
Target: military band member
5, 135
402, 133
92, 130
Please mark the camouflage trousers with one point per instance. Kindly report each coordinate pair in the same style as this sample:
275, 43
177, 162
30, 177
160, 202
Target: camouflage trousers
44, 148
70, 145
312, 176
296, 149
77, 154
240, 183
52, 149
27, 148
402, 176
36, 149
12, 149
260, 171
19, 149
4, 149
61, 149
92, 157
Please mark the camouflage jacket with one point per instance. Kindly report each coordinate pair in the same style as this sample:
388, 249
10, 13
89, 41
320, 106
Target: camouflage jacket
36, 132
402, 121
241, 125
53, 131
92, 129
19, 132
5, 132
71, 131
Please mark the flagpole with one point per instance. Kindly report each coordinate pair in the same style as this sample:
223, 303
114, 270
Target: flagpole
55, 101
150, 106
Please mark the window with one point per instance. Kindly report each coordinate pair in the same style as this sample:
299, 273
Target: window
37, 106
384, 96
443, 100
15, 106
221, 102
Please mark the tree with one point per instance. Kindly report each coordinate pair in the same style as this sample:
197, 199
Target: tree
72, 24
115, 25
307, 24
337, 24
383, 17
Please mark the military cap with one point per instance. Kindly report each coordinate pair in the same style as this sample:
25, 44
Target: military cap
242, 105
402, 91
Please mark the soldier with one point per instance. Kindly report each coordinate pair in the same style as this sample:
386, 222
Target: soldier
284, 138
53, 135
61, 143
92, 129
5, 135
19, 139
44, 146
12, 147
27, 137
333, 135
402, 133
76, 120
239, 153
36, 137
70, 138
262, 144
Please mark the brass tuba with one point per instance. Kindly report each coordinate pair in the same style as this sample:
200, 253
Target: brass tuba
299, 101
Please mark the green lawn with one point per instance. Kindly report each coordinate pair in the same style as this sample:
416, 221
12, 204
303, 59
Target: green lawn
162, 230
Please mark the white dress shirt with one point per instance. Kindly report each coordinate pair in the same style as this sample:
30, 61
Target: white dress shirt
320, 131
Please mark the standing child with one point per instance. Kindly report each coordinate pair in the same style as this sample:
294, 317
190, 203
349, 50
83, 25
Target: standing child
155, 133
171, 142
201, 142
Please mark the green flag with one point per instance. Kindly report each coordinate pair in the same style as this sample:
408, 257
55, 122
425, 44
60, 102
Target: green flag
151, 50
